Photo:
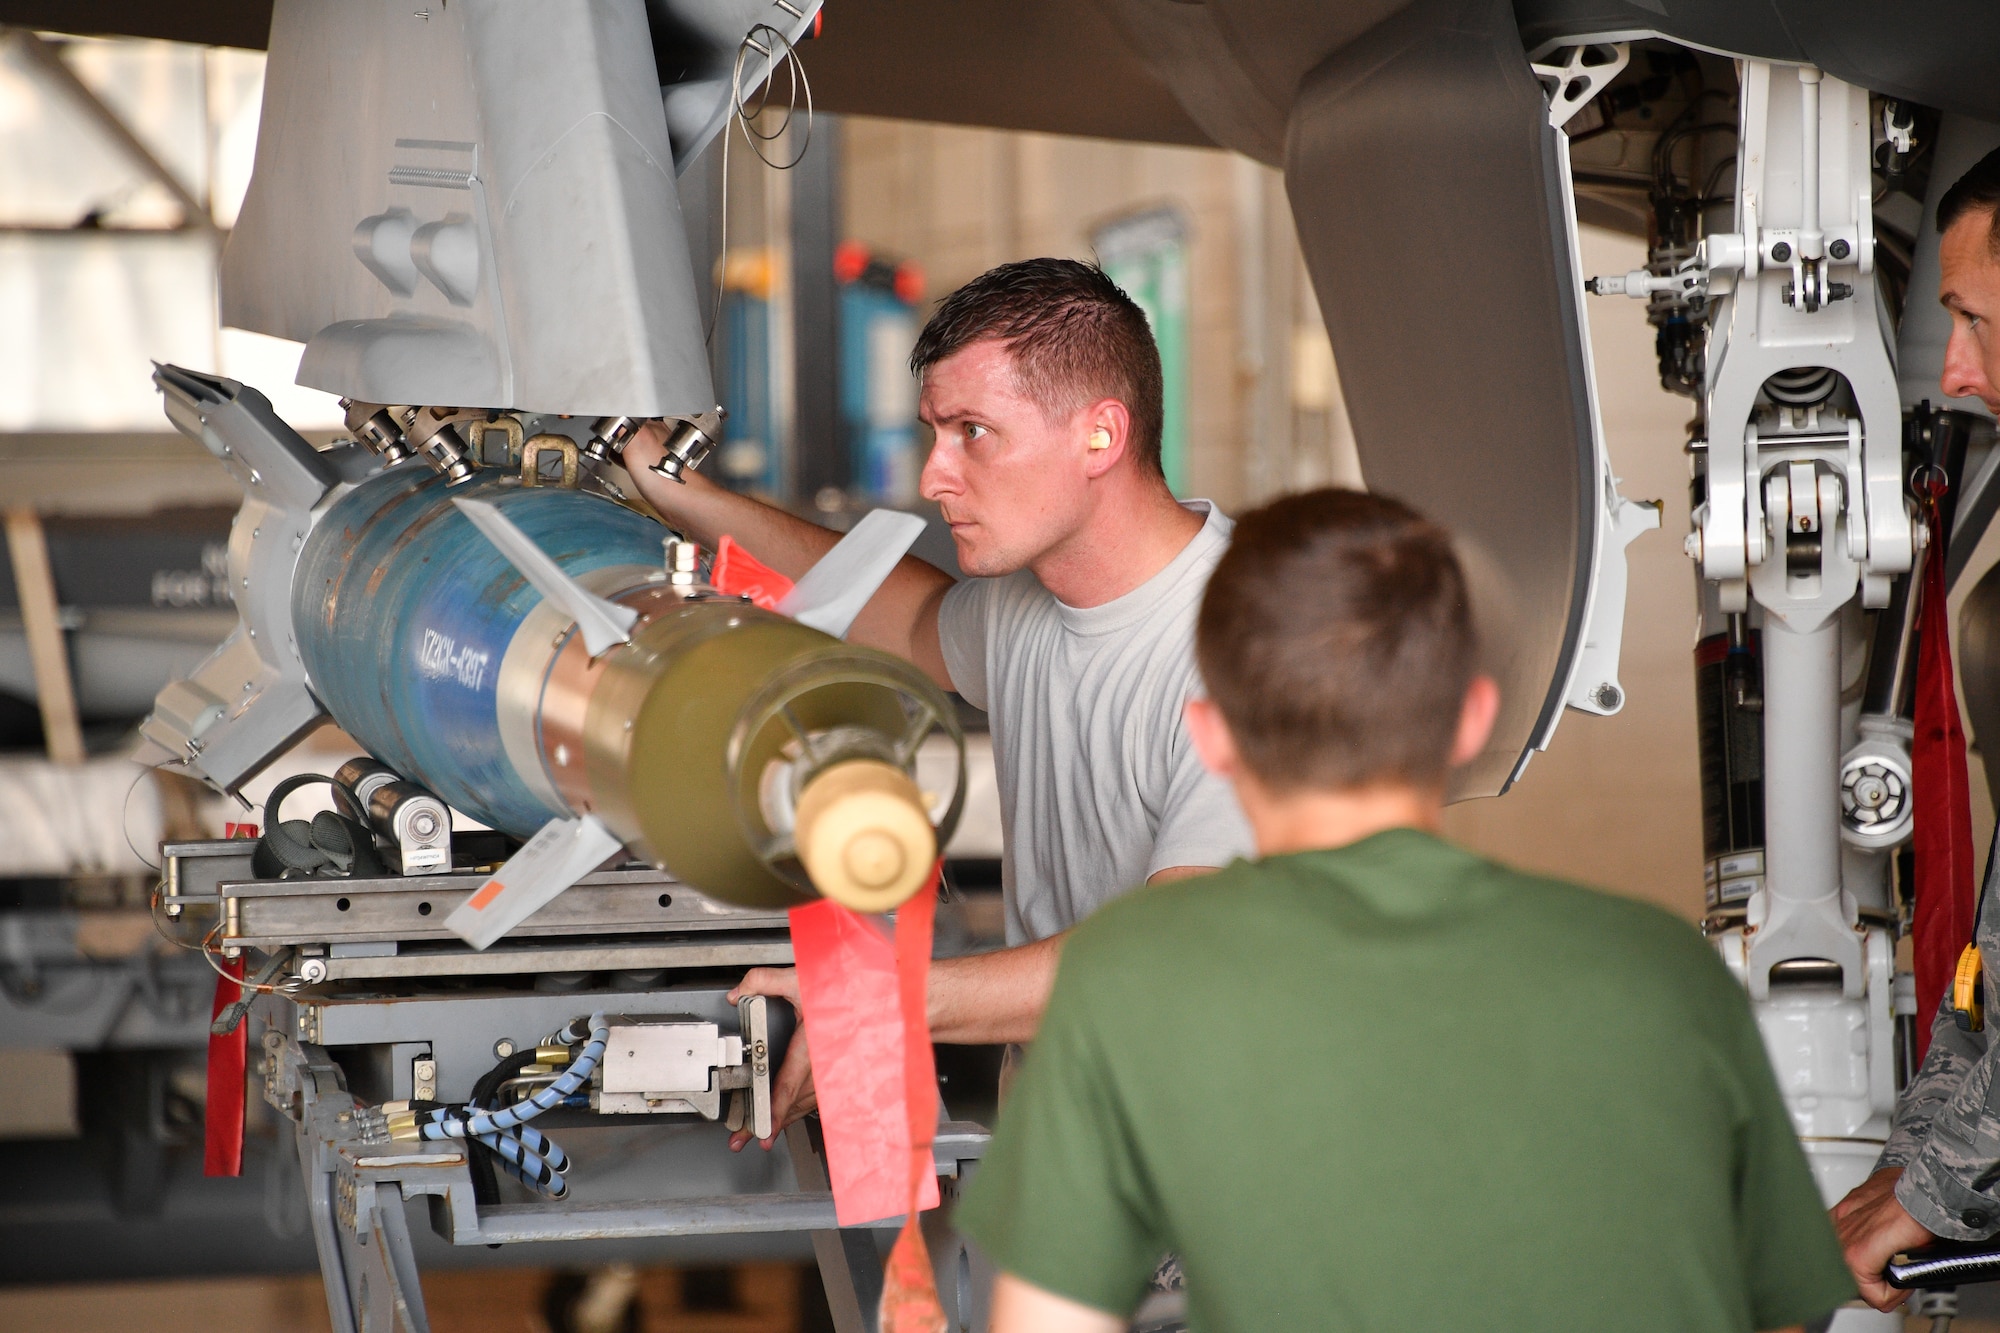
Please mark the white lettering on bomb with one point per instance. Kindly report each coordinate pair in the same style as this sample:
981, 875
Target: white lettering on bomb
439, 656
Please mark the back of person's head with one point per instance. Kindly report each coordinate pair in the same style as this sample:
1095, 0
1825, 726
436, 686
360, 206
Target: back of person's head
1977, 191
1336, 638
1074, 335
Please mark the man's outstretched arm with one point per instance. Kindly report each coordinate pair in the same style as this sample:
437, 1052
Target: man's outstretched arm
981, 999
989, 998
901, 618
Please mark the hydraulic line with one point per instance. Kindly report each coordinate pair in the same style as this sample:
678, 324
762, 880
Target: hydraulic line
474, 1122
485, 1184
523, 1151
538, 1170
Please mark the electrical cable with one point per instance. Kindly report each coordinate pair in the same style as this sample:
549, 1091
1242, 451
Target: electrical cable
517, 1147
485, 1185
797, 81
459, 1125
527, 1165
125, 820
1663, 146
153, 910
208, 952
1715, 179
233, 1013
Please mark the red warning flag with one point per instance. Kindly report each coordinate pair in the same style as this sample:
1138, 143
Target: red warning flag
737, 573
909, 1288
1942, 837
228, 1054
872, 1067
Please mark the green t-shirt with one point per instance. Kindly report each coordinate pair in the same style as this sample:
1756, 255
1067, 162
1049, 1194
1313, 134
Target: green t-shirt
1394, 1085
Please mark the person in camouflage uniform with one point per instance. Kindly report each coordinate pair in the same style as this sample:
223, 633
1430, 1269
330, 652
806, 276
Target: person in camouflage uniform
1939, 1174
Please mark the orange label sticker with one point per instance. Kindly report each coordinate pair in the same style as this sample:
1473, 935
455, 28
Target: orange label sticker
486, 894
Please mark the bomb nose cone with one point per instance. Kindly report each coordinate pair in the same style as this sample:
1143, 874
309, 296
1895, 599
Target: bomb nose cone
863, 836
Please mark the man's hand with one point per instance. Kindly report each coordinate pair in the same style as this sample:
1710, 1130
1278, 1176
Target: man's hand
1874, 1227
792, 1096
982, 998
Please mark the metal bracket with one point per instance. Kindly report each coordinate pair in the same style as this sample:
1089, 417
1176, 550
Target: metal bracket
251, 699
1581, 76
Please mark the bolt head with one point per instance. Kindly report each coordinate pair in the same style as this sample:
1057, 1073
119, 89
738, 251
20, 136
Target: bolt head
1840, 249
1781, 253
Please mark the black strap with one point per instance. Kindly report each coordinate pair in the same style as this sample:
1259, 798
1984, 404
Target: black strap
329, 846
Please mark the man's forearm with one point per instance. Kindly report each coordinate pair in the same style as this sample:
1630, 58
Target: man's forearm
902, 616
999, 996
993, 997
706, 511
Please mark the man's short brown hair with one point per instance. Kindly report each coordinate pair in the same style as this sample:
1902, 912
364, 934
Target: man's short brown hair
1336, 637
1978, 190
1074, 335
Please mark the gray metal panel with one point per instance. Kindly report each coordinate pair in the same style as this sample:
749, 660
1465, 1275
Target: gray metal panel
508, 173
1056, 66
245, 23
1051, 65
1184, 45
270, 913
249, 701
1739, 27
1423, 177
1061, 67
1277, 43
1939, 53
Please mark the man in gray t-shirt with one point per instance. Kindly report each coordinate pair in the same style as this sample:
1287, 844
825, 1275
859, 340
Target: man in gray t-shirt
1096, 794
1075, 629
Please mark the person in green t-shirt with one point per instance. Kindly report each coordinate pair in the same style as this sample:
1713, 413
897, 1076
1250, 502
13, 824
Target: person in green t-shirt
1370, 1080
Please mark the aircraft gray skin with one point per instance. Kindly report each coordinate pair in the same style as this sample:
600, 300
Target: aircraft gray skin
1428, 157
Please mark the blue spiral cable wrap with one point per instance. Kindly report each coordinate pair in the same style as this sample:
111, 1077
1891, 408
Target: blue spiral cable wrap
526, 1136
528, 1166
532, 1158
471, 1122
543, 1146
524, 1152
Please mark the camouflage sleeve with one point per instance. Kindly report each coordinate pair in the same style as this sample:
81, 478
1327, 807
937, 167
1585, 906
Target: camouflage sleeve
1952, 1055
1947, 1136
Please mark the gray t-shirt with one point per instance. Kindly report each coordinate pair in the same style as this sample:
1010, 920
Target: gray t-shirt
1100, 787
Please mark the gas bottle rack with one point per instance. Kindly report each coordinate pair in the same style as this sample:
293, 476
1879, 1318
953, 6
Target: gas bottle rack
372, 1002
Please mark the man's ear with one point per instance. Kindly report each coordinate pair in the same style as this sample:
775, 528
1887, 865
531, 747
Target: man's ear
1212, 739
1106, 426
1476, 715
